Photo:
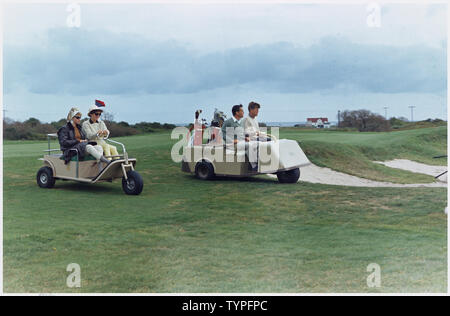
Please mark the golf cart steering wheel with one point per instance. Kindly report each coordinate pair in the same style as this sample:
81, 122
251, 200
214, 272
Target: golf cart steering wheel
273, 138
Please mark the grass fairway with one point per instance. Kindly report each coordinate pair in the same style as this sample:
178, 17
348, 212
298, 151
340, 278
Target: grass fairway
186, 235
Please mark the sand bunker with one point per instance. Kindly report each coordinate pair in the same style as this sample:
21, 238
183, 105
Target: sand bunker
417, 167
315, 174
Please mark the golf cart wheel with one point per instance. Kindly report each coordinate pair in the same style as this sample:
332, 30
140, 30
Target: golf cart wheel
204, 170
290, 176
45, 178
134, 183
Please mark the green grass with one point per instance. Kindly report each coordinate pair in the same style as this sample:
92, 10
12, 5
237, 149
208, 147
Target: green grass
401, 125
354, 152
186, 235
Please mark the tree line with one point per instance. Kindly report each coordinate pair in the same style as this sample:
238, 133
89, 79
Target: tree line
361, 120
33, 129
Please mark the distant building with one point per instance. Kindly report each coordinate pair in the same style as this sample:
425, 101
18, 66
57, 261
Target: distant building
318, 122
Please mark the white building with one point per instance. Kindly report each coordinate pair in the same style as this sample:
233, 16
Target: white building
318, 122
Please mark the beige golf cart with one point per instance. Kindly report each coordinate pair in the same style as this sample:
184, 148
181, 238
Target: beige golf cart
281, 157
89, 170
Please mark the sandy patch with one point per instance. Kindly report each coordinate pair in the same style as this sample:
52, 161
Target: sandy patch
417, 167
315, 174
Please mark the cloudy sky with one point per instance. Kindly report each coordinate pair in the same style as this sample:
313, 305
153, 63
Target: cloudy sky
160, 62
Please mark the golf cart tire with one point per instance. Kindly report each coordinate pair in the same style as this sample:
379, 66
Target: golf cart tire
134, 184
204, 170
45, 178
290, 176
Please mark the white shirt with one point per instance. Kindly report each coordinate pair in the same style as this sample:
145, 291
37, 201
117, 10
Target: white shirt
251, 127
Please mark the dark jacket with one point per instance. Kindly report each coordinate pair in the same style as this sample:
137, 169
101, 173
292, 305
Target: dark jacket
67, 141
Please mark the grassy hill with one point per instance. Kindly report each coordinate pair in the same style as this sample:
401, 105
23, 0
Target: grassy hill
354, 152
226, 235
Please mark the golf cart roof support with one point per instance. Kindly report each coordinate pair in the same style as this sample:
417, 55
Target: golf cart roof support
48, 139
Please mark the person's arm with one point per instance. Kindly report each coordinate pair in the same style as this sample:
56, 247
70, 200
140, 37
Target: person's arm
104, 128
257, 130
64, 140
250, 129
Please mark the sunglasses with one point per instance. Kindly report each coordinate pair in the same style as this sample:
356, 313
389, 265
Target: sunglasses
77, 117
97, 113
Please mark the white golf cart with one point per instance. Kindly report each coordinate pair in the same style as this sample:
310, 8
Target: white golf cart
282, 157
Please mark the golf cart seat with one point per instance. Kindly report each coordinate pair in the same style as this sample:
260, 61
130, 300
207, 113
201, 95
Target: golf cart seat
75, 158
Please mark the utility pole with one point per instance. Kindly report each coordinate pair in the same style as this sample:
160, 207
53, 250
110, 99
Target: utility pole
339, 118
412, 107
385, 112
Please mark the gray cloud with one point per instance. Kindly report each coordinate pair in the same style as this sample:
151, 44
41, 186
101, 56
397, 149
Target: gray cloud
81, 62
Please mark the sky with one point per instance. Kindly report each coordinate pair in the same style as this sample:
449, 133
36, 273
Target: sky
161, 62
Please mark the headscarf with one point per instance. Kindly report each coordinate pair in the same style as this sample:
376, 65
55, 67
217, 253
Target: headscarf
73, 111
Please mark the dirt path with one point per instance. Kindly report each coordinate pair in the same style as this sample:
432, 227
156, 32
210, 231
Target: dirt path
315, 174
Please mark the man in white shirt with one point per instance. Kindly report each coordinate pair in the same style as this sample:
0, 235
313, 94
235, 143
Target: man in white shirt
251, 125
252, 131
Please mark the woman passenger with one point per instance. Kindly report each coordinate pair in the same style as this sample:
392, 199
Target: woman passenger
95, 129
71, 136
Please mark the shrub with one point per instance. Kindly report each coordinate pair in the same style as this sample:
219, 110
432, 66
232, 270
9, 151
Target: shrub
118, 130
364, 121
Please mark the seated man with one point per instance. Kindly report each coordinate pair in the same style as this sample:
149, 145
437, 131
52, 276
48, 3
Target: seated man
237, 130
251, 125
233, 125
